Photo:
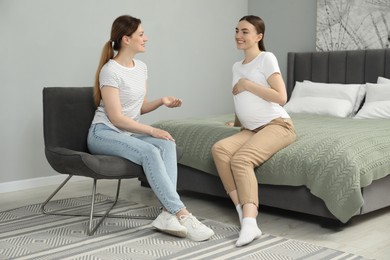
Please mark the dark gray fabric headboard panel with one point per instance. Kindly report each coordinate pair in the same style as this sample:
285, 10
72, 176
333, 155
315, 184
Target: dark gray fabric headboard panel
357, 66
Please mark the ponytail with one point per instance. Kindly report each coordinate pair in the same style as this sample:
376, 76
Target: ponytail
107, 54
261, 44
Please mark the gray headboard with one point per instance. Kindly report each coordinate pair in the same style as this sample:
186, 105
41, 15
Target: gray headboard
357, 66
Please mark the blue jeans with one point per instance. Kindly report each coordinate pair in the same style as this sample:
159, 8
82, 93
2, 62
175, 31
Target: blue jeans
156, 156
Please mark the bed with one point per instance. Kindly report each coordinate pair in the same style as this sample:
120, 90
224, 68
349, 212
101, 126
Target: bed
339, 167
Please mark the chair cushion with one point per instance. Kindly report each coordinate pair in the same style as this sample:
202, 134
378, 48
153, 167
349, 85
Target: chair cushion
68, 161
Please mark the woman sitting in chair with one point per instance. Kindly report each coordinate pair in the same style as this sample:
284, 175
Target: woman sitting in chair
120, 97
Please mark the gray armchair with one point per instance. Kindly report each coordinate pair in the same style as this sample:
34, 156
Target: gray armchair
67, 115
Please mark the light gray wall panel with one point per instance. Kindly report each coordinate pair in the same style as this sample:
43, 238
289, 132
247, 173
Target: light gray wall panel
290, 26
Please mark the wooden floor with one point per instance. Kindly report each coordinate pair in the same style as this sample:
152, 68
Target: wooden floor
367, 235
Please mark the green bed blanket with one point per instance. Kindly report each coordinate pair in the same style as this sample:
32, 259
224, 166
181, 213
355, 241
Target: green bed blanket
333, 157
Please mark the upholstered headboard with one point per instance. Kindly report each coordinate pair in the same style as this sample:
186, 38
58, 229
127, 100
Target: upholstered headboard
357, 66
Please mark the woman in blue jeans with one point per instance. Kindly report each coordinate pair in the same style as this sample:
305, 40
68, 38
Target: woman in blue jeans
120, 97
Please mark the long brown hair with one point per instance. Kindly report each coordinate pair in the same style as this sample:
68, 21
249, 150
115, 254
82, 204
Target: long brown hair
258, 23
123, 25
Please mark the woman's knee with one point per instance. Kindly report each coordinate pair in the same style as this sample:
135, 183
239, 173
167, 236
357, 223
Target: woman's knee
167, 148
218, 148
170, 145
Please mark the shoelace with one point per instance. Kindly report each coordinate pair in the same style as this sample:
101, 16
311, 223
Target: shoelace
193, 220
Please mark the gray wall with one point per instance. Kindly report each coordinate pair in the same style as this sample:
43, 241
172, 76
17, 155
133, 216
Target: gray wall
189, 54
58, 43
290, 26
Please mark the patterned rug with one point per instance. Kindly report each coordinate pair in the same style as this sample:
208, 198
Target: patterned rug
25, 233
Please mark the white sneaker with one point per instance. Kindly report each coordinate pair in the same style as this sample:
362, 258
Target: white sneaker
168, 223
196, 231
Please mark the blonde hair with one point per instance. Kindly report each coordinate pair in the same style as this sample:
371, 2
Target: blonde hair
124, 25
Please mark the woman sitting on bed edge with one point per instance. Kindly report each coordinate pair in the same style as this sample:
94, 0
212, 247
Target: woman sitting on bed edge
258, 93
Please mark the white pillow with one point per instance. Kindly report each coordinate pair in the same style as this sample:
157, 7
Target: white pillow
382, 80
319, 106
341, 100
359, 98
377, 104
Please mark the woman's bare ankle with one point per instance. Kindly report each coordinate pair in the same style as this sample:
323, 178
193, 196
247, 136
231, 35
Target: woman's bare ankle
249, 210
182, 212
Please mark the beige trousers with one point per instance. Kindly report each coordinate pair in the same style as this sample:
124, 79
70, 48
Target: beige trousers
236, 156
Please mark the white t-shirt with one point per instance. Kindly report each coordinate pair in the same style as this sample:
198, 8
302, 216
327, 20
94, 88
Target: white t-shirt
131, 83
252, 110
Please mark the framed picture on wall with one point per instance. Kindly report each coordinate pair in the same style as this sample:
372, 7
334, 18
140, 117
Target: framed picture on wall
352, 24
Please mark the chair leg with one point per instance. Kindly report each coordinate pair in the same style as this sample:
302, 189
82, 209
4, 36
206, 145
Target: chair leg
44, 211
91, 230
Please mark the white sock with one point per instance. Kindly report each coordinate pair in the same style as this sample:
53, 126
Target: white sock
239, 211
249, 231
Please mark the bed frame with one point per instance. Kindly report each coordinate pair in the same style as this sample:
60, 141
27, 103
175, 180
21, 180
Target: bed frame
353, 67
358, 66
